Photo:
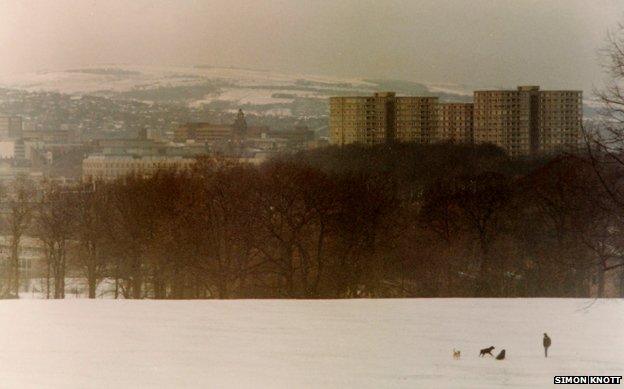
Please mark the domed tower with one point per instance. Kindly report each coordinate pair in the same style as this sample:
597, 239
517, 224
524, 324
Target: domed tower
240, 124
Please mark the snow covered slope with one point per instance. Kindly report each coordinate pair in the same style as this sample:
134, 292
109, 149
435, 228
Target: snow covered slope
305, 344
263, 92
196, 85
113, 79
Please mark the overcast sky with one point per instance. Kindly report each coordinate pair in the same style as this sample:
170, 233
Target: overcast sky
489, 43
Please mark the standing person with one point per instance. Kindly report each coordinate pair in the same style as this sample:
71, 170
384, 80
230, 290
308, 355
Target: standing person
547, 343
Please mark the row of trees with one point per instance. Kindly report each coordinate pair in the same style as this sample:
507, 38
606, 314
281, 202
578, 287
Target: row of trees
387, 221
474, 222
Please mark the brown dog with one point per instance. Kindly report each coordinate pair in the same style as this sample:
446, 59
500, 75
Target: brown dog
456, 354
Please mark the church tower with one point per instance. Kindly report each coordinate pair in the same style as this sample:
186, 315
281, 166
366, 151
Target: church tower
240, 124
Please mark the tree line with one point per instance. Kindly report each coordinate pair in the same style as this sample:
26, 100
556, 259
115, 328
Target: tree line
400, 220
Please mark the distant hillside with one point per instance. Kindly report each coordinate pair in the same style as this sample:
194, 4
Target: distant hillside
261, 92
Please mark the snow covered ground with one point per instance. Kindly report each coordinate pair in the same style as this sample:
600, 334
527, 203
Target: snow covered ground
305, 344
121, 78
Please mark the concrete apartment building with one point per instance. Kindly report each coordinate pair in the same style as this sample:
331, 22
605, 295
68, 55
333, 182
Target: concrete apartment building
415, 119
454, 122
523, 122
359, 119
527, 120
560, 119
381, 118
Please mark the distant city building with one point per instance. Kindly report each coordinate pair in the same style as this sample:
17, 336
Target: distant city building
143, 134
413, 119
381, 118
454, 122
130, 146
11, 171
19, 150
522, 122
112, 167
528, 121
257, 131
50, 136
358, 119
253, 157
11, 127
116, 158
298, 138
203, 132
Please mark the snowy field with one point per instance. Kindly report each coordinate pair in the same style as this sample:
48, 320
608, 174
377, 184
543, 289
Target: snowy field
305, 344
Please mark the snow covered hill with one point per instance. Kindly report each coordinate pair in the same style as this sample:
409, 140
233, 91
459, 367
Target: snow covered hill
227, 84
260, 91
305, 344
121, 78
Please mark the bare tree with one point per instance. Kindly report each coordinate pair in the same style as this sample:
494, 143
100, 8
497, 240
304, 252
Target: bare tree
605, 145
475, 203
605, 140
364, 203
90, 213
293, 207
55, 218
135, 212
227, 217
20, 214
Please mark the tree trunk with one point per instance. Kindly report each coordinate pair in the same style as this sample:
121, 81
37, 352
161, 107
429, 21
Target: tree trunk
137, 284
15, 265
57, 284
62, 275
601, 282
117, 275
178, 283
91, 280
137, 278
48, 278
483, 279
222, 287
160, 289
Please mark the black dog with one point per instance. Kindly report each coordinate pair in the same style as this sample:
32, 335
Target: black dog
486, 351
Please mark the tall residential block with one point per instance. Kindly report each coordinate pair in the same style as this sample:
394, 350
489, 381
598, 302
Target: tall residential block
359, 119
415, 119
381, 118
523, 122
528, 121
560, 119
454, 122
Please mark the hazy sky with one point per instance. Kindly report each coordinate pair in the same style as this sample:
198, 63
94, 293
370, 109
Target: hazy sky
490, 43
